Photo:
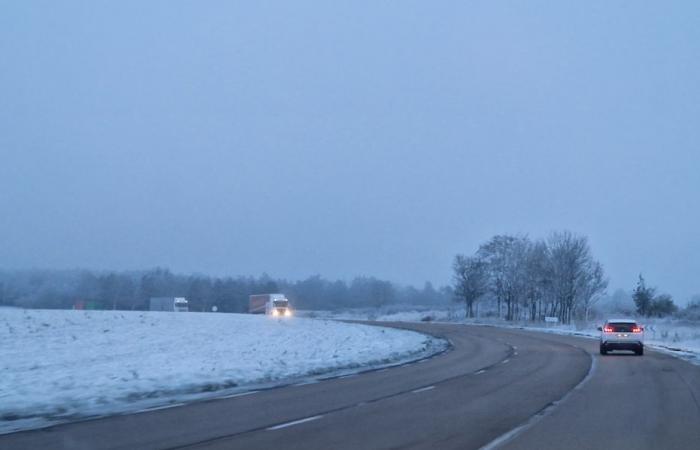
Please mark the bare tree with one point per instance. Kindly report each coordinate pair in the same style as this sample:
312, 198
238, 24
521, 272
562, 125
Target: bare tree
471, 281
505, 258
593, 285
537, 280
576, 277
553, 277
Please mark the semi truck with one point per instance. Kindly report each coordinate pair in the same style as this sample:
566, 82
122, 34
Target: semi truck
270, 304
173, 304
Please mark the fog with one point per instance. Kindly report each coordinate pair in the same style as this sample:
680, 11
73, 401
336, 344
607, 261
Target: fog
297, 138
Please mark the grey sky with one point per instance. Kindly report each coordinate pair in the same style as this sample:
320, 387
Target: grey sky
347, 138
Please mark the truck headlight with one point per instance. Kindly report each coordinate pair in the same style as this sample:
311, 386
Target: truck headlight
288, 313
275, 312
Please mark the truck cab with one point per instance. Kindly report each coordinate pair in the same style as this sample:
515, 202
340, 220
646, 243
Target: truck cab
280, 307
270, 304
180, 305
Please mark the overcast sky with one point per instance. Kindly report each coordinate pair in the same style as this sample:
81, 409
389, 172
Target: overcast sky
348, 138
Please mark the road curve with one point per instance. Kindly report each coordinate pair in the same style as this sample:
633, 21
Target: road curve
492, 382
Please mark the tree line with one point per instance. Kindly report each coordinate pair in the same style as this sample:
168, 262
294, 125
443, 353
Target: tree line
650, 304
516, 278
55, 289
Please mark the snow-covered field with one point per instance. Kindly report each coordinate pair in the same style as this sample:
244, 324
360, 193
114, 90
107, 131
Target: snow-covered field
680, 338
62, 365
389, 315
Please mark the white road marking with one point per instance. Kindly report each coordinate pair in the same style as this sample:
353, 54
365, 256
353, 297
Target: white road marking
295, 422
479, 372
509, 435
240, 394
505, 361
423, 389
156, 408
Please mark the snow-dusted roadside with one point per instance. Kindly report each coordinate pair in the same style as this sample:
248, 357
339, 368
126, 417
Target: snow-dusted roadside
676, 337
66, 365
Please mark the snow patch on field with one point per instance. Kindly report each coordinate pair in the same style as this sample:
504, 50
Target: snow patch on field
411, 315
65, 365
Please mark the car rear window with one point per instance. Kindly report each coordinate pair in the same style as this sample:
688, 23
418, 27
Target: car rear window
622, 327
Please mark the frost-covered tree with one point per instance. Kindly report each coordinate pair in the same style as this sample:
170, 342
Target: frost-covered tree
554, 277
662, 305
692, 310
593, 285
505, 259
470, 281
577, 278
538, 276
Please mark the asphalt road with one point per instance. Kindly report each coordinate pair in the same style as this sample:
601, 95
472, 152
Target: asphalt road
498, 388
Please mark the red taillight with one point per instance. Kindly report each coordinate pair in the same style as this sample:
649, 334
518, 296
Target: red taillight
636, 330
608, 329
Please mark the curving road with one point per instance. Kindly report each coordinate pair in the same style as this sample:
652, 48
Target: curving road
496, 388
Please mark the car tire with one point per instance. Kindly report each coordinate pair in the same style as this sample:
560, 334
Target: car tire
603, 350
640, 351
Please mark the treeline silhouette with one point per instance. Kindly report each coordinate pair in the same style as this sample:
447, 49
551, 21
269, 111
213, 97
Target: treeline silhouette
63, 289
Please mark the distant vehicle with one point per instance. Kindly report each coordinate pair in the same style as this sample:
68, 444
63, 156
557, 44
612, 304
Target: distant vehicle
621, 334
173, 304
270, 304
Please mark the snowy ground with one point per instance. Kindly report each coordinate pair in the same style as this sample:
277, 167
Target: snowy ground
389, 314
65, 365
676, 337
680, 338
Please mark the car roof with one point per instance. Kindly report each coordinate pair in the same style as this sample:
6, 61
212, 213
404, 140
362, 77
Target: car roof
622, 321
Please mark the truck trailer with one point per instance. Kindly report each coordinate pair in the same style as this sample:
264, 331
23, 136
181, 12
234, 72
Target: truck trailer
173, 304
270, 304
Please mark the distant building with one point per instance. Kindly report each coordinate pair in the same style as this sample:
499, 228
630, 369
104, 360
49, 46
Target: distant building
82, 304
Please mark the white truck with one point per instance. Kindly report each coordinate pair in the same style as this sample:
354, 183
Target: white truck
270, 304
173, 304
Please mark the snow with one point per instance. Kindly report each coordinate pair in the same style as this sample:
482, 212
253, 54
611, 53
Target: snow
680, 338
388, 315
65, 365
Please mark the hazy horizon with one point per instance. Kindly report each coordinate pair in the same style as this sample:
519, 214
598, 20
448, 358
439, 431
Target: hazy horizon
343, 140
